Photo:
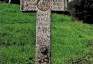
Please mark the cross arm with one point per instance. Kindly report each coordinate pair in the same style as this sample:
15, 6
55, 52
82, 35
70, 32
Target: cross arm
28, 5
59, 5
56, 5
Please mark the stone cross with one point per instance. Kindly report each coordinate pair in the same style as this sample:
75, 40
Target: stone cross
43, 8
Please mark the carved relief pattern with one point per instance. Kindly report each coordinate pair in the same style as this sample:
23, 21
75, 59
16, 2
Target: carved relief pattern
56, 5
43, 5
43, 37
29, 5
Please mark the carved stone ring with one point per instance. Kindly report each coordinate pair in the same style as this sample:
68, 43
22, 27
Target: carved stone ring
43, 5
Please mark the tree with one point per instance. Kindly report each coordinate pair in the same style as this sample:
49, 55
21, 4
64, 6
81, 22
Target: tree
82, 10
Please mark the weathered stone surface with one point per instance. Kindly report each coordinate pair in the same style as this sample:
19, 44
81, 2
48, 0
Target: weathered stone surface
56, 5
43, 8
28, 5
43, 33
59, 5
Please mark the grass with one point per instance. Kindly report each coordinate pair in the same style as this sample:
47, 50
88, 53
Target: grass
69, 40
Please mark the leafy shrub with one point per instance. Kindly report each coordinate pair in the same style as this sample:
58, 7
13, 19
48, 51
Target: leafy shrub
82, 10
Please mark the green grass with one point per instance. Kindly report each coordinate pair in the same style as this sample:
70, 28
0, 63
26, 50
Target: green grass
69, 40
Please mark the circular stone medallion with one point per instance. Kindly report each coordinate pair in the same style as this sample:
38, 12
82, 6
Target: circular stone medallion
43, 5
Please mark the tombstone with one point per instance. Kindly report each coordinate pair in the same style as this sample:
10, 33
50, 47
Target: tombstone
43, 22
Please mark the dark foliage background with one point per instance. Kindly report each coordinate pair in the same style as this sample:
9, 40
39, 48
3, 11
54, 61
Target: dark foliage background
82, 10
12, 1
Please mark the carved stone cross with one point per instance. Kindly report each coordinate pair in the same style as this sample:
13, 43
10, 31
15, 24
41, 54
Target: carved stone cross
43, 8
